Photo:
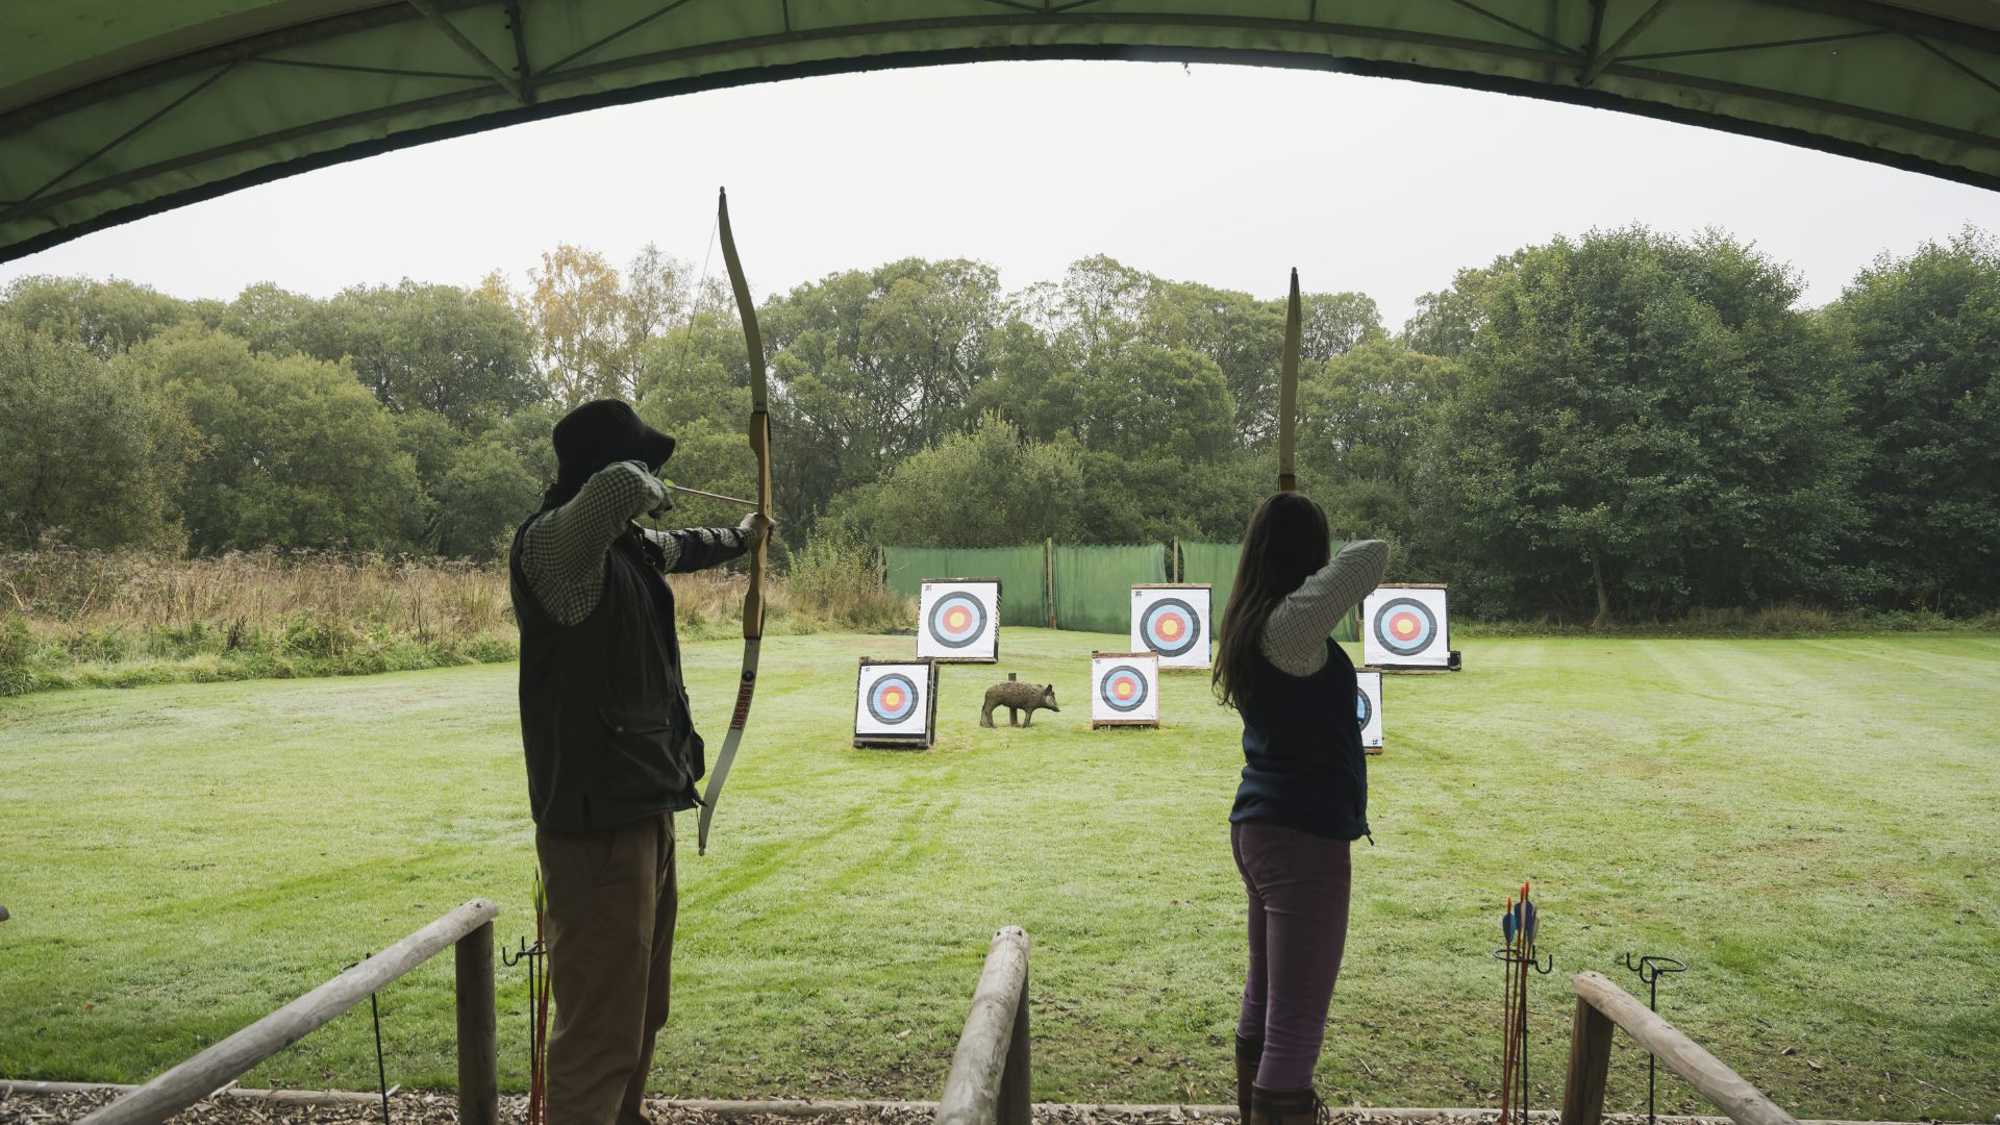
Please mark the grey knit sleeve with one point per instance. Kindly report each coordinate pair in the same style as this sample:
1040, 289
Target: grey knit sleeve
562, 551
698, 548
1295, 637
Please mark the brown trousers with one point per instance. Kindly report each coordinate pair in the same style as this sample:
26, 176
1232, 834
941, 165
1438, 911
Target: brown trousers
610, 927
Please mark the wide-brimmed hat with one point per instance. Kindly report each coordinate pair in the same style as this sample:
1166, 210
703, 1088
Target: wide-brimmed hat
607, 430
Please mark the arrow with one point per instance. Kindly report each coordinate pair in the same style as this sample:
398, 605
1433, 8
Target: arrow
709, 495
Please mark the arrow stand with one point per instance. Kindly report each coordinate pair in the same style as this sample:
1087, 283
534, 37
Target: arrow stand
536, 956
1650, 969
1519, 925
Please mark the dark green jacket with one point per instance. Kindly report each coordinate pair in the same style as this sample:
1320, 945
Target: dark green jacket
604, 718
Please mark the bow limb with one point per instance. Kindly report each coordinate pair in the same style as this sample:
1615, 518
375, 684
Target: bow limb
1288, 392
753, 599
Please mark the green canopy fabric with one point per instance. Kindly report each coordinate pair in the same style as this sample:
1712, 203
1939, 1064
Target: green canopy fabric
110, 109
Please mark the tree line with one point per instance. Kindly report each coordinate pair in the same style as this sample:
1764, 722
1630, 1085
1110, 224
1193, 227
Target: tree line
1626, 424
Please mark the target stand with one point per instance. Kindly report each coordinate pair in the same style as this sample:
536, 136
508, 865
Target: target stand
1406, 627
1172, 619
895, 704
1124, 689
958, 620
1368, 708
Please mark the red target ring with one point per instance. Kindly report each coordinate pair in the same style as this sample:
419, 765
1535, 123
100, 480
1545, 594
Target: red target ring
1405, 626
892, 699
957, 620
1170, 627
1123, 688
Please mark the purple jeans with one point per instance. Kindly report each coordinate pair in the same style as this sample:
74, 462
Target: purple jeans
1299, 886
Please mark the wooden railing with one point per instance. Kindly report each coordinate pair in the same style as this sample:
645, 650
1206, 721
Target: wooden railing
1601, 1004
469, 929
988, 1083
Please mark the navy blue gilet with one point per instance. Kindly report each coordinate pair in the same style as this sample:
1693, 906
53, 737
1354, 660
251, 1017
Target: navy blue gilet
1303, 765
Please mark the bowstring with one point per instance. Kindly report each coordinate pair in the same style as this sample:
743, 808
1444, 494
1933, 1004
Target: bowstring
694, 313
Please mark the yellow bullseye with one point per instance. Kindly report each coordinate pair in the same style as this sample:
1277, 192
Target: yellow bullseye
892, 699
1171, 627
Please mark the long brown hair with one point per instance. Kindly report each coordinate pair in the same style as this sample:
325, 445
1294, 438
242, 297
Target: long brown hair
1287, 540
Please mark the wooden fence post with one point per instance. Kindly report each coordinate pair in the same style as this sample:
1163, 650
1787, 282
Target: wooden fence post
988, 1082
1015, 1107
219, 1063
1049, 578
1589, 1063
478, 1043
1744, 1103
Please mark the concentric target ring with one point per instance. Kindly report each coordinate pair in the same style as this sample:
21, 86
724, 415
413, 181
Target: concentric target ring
1123, 688
1169, 627
892, 699
1364, 708
1405, 626
957, 620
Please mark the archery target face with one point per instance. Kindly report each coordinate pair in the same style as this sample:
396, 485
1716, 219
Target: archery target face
1405, 626
1125, 688
890, 700
959, 620
1173, 623
1368, 707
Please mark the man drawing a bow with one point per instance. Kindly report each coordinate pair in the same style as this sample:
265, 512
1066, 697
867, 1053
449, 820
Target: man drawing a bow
611, 747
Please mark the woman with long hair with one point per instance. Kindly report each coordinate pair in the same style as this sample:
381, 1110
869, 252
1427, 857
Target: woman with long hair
1304, 795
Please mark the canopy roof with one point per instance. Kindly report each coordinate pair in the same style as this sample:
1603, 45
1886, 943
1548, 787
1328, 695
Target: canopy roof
110, 109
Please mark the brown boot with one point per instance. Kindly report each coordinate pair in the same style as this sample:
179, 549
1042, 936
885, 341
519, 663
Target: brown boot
1286, 1107
1249, 1052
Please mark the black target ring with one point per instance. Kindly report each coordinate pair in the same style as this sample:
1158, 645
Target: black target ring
892, 714
1398, 612
1118, 674
1170, 609
1364, 708
965, 636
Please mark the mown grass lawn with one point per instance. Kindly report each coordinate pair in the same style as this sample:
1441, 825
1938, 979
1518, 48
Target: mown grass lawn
1810, 824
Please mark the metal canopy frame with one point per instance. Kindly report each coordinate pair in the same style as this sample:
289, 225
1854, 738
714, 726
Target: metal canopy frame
584, 77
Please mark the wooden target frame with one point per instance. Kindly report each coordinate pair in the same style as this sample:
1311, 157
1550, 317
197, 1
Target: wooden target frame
1431, 601
922, 667
944, 654
1138, 658
1369, 684
1198, 598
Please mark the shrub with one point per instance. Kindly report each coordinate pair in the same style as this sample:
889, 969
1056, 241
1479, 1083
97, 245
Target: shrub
835, 579
310, 635
17, 645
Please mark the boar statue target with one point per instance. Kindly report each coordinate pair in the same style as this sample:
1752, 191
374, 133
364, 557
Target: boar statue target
1018, 697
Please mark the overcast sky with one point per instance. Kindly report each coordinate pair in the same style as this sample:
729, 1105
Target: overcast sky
1224, 175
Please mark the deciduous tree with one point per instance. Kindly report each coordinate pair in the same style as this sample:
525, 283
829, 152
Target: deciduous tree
1925, 334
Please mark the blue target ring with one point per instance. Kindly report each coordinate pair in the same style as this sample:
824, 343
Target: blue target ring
1170, 627
1364, 710
893, 698
1405, 626
957, 620
1123, 688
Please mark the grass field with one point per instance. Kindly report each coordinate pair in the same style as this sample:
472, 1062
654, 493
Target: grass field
1810, 824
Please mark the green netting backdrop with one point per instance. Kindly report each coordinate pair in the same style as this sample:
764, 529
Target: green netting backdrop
1023, 596
1215, 564
1094, 584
